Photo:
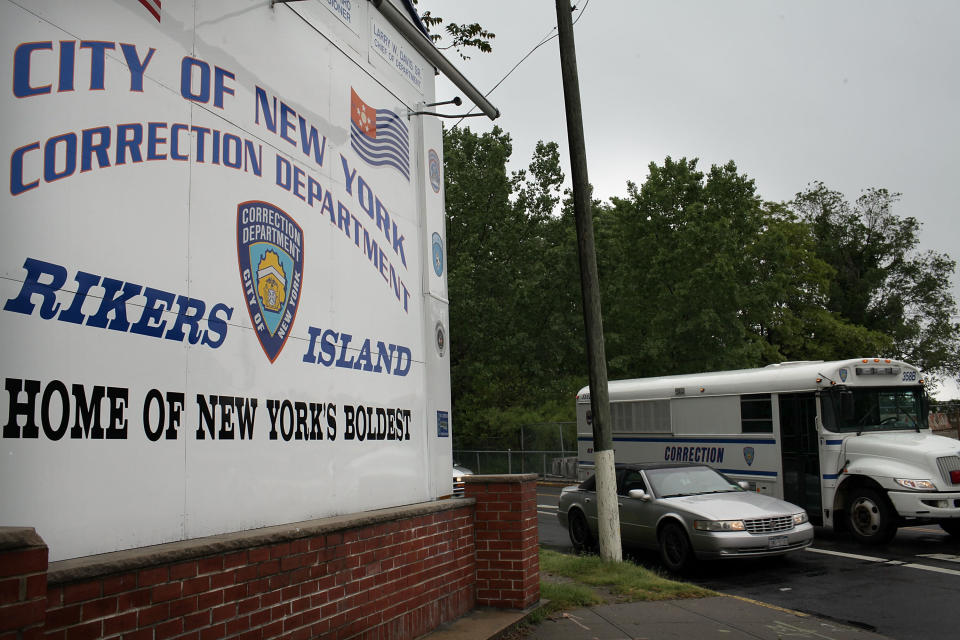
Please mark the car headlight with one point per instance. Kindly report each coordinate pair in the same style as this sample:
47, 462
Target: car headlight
719, 525
917, 485
800, 518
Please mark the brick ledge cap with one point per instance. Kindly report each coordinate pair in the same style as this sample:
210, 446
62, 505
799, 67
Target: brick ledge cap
64, 571
12, 538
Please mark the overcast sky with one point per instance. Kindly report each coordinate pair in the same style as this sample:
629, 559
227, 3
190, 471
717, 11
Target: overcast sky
855, 94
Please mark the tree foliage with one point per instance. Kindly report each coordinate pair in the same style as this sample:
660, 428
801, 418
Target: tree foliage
697, 273
881, 281
462, 36
509, 328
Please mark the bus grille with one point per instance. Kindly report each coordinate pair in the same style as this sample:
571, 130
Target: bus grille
769, 525
948, 464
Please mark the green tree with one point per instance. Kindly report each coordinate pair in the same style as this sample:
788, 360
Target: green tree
881, 281
676, 274
697, 273
700, 274
790, 286
508, 325
551, 311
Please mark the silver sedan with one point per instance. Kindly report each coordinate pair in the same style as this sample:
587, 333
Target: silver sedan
687, 512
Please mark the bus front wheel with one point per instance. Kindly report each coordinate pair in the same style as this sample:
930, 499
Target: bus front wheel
871, 517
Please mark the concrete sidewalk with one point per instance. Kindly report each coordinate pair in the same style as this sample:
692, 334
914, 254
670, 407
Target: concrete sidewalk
727, 617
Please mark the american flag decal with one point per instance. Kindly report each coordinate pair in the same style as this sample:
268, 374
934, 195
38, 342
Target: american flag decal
379, 136
153, 6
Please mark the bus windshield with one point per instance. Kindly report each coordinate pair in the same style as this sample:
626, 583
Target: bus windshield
874, 409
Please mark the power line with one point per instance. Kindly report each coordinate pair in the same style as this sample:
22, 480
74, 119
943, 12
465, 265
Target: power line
547, 38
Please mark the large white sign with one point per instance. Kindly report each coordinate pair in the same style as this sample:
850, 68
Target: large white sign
220, 303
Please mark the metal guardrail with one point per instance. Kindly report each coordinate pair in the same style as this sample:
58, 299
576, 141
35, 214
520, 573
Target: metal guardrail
561, 465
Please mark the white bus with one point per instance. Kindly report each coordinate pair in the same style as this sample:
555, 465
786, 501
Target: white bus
847, 440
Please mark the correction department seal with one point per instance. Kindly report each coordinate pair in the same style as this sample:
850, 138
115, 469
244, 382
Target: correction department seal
270, 256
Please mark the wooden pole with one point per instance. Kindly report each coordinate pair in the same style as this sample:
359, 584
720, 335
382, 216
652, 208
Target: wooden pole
607, 507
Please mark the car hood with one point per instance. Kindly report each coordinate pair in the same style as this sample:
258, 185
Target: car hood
734, 505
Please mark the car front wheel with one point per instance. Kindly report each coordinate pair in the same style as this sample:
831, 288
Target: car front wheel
871, 517
580, 536
675, 550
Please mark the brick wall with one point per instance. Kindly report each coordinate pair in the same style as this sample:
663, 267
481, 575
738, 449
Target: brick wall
23, 583
393, 573
508, 563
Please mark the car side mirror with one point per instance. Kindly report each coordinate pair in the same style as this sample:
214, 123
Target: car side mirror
743, 484
639, 494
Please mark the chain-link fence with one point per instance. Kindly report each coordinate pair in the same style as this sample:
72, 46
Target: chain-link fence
547, 449
546, 464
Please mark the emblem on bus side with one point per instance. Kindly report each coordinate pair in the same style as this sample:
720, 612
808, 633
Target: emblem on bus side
748, 455
270, 253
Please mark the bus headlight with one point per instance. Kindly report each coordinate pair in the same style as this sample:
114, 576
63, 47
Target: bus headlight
916, 485
719, 525
800, 518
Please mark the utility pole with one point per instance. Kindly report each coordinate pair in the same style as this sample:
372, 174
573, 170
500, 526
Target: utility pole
608, 515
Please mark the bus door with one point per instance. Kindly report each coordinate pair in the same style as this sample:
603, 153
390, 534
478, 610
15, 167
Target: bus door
800, 453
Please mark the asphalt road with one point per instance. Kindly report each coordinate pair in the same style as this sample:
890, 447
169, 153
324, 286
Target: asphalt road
905, 590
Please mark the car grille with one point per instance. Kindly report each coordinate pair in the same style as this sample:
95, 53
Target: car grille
763, 550
769, 525
459, 488
948, 464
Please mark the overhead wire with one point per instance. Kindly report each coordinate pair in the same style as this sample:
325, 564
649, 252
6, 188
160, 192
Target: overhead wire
547, 38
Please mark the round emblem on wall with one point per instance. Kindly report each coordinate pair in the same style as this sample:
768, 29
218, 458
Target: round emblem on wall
434, 162
441, 339
437, 254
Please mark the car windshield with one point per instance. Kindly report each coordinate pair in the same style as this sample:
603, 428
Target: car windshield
688, 481
878, 409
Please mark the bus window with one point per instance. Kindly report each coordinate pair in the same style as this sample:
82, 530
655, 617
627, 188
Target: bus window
756, 413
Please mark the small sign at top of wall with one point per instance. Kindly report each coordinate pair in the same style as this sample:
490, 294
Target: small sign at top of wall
441, 339
443, 424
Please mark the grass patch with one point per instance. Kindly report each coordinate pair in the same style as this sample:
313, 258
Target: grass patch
625, 579
563, 596
569, 595
575, 582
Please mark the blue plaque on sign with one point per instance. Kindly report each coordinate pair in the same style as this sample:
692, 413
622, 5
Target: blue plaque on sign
443, 424
437, 254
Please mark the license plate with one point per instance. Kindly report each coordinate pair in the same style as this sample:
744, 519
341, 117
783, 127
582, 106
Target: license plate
776, 542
